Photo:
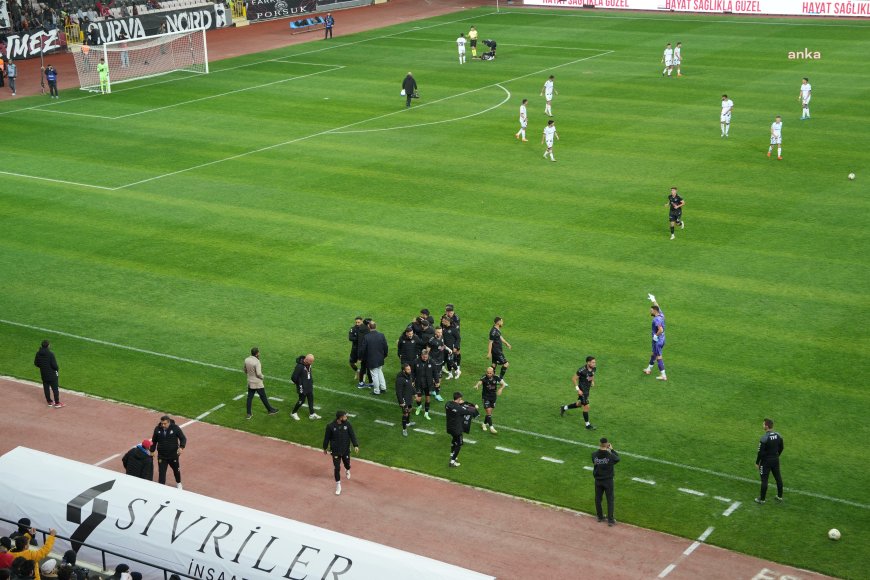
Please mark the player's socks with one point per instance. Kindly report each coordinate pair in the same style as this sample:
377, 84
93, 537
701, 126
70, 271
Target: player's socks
488, 420
426, 407
502, 372
672, 231
552, 158
779, 152
722, 128
661, 364
586, 417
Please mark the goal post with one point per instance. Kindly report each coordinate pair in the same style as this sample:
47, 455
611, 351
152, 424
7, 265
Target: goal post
130, 60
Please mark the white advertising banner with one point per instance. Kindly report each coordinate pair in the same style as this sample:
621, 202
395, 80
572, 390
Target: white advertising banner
855, 8
193, 534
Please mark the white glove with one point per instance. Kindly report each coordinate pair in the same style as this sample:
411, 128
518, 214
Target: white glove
651, 297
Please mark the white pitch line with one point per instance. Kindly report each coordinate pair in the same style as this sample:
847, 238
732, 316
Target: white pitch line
720, 498
426, 431
508, 450
387, 423
351, 415
354, 395
588, 468
279, 399
107, 459
668, 569
237, 397
692, 491
646, 481
731, 509
551, 459
703, 537
472, 441
61, 181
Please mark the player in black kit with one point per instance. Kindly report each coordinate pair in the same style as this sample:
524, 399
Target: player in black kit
584, 380
495, 352
675, 210
492, 388
767, 461
353, 337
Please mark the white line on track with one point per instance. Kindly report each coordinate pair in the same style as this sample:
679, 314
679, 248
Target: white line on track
387, 423
731, 509
692, 491
646, 481
354, 395
551, 459
507, 450
107, 459
687, 552
667, 570
209, 412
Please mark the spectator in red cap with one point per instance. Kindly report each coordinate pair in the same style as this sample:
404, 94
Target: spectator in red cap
138, 462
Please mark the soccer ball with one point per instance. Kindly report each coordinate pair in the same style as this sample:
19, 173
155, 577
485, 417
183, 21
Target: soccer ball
834, 534
851, 177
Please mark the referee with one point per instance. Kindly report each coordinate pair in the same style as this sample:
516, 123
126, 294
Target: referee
767, 461
338, 438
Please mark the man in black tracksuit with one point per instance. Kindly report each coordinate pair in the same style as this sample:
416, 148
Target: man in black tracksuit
459, 416
767, 461
405, 395
338, 438
168, 441
438, 355
424, 382
353, 337
409, 347
452, 339
409, 85
48, 370
304, 386
364, 371
138, 461
603, 461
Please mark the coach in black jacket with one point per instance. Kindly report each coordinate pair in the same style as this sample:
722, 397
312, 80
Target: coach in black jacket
459, 416
603, 461
304, 385
168, 441
48, 371
374, 352
138, 461
409, 347
338, 438
409, 85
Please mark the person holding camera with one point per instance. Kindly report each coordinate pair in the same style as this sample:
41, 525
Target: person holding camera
603, 461
409, 89
459, 416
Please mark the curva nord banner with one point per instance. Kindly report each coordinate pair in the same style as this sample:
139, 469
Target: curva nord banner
189, 533
268, 9
208, 16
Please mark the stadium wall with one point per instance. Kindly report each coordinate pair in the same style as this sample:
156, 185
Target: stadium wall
850, 9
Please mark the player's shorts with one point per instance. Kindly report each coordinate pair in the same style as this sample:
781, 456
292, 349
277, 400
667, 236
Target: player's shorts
406, 405
498, 357
583, 398
462, 50
425, 390
548, 96
669, 62
523, 123
776, 139
806, 100
725, 118
489, 402
677, 62
675, 216
473, 42
657, 347
549, 144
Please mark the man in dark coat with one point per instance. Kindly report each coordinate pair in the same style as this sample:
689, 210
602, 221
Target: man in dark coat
374, 352
168, 442
304, 386
405, 395
409, 89
138, 462
338, 438
603, 461
364, 371
459, 416
48, 370
409, 347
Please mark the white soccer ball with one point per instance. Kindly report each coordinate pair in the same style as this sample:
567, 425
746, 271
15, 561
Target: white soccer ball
851, 177
834, 534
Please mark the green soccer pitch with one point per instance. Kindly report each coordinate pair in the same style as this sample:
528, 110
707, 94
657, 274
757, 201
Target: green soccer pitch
271, 201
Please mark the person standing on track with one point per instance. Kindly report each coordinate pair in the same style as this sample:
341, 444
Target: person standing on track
328, 23
138, 461
11, 75
767, 461
337, 440
51, 77
46, 362
168, 442
584, 380
254, 371
603, 461
304, 386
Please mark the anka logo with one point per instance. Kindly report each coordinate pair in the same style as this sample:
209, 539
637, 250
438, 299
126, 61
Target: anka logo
805, 54
98, 513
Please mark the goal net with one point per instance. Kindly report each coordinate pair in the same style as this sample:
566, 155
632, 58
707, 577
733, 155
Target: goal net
130, 60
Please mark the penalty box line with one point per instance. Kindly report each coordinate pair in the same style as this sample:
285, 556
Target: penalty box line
383, 402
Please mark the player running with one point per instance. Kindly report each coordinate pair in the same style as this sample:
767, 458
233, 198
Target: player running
776, 137
584, 380
524, 121
658, 339
460, 46
492, 388
675, 205
548, 136
548, 90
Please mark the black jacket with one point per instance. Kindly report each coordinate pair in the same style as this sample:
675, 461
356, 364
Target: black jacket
46, 362
374, 349
353, 335
302, 377
360, 341
459, 416
409, 348
338, 438
451, 336
167, 441
425, 373
602, 464
405, 389
437, 350
138, 463
410, 85
769, 448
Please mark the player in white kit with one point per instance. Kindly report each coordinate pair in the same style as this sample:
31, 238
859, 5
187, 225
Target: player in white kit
668, 59
460, 45
678, 57
776, 137
548, 91
524, 121
725, 117
804, 97
549, 134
